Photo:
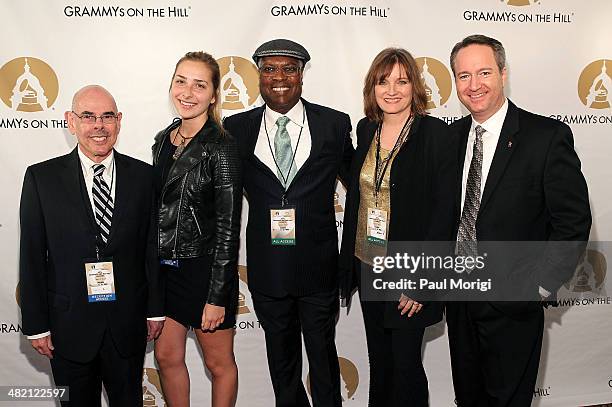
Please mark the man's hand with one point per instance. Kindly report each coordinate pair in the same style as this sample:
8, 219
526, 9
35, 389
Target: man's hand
212, 317
154, 329
43, 345
408, 305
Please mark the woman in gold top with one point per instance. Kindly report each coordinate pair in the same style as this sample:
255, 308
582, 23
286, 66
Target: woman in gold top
402, 189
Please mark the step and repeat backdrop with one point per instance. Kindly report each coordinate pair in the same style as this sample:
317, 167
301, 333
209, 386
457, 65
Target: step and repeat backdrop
559, 64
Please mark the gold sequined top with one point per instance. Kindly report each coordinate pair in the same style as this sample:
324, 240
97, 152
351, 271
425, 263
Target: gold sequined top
364, 250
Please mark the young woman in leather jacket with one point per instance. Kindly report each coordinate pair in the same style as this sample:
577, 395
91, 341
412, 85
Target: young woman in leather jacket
199, 194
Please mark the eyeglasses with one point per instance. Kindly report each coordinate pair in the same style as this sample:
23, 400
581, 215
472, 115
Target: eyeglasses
288, 70
107, 118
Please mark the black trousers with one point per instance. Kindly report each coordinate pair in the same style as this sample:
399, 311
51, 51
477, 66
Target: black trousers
284, 321
122, 377
397, 376
494, 355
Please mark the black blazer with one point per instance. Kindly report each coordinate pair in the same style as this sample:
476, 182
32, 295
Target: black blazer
422, 183
535, 191
311, 265
58, 233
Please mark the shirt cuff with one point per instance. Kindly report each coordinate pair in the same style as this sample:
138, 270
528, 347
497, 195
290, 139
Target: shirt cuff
544, 292
156, 319
38, 336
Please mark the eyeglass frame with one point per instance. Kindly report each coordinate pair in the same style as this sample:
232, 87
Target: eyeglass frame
283, 69
114, 116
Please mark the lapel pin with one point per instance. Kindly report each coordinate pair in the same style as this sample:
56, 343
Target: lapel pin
509, 144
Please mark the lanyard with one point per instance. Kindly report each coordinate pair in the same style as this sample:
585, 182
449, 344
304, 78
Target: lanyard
285, 178
379, 173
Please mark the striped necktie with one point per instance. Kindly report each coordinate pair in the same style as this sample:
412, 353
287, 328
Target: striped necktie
103, 202
467, 227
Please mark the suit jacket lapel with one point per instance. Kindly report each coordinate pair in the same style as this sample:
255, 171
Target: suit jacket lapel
464, 132
370, 131
122, 188
414, 127
74, 189
316, 136
503, 151
255, 119
360, 155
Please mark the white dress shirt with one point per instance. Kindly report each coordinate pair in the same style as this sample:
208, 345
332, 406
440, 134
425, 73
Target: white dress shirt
493, 126
109, 174
265, 141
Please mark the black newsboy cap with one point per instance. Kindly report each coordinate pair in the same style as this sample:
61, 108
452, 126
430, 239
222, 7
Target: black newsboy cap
281, 47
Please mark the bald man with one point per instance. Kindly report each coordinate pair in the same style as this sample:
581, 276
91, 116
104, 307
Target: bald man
90, 287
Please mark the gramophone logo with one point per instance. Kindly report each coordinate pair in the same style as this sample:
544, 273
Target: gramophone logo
349, 379
239, 83
521, 2
243, 307
152, 395
590, 274
437, 80
595, 84
28, 84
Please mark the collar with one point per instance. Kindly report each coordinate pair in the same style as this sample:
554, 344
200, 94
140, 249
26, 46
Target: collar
494, 123
295, 115
87, 163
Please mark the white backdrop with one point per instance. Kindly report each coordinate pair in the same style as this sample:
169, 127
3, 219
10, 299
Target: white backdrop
557, 50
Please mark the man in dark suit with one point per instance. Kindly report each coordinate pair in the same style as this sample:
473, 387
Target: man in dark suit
292, 152
88, 266
520, 181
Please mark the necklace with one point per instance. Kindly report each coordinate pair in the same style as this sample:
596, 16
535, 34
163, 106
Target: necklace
181, 146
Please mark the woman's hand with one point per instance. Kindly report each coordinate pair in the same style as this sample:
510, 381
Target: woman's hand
409, 305
212, 317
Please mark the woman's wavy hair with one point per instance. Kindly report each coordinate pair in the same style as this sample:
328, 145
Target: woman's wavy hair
380, 69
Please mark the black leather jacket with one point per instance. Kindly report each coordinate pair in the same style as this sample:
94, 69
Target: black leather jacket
199, 206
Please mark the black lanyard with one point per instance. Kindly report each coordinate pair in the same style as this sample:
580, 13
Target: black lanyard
285, 179
379, 173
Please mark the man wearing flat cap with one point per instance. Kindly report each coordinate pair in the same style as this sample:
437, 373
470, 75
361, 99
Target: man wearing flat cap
292, 152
